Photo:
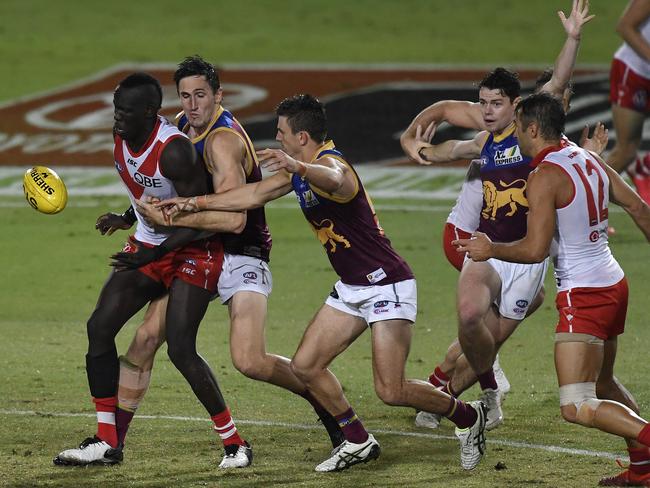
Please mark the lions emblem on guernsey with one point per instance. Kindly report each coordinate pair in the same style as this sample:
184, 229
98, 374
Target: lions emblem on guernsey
497, 198
325, 232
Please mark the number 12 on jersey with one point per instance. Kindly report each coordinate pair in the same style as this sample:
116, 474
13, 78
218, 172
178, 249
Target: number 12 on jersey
598, 213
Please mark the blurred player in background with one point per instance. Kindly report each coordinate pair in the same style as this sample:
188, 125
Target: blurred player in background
154, 159
245, 281
630, 94
568, 197
376, 288
497, 149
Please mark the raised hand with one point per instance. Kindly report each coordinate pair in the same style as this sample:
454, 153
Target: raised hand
578, 17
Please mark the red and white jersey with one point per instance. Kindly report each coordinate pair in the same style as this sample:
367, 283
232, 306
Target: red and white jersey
629, 56
581, 254
141, 174
466, 213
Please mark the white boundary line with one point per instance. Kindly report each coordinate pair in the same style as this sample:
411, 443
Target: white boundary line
266, 423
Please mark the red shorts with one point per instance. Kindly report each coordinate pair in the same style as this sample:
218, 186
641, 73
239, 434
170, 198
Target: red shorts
451, 233
198, 263
627, 89
598, 312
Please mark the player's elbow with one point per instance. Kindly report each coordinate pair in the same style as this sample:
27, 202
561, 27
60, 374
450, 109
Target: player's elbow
538, 255
238, 222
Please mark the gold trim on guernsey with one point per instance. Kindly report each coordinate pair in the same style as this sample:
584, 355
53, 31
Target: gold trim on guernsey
508, 131
329, 145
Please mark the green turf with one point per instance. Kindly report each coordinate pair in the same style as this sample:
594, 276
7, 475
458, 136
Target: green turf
53, 269
44, 44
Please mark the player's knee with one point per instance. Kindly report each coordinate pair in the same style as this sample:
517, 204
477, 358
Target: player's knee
304, 371
470, 316
250, 365
578, 403
100, 335
180, 355
389, 393
146, 343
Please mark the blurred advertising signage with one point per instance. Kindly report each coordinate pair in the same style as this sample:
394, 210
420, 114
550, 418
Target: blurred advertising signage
367, 106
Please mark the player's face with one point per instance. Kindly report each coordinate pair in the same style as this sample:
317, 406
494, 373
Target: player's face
130, 113
497, 109
523, 138
198, 101
289, 141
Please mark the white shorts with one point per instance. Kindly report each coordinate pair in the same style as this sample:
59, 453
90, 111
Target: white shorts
520, 284
243, 273
375, 303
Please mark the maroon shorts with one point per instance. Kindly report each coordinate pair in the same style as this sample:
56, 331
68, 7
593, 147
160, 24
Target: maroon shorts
599, 312
451, 233
198, 263
627, 89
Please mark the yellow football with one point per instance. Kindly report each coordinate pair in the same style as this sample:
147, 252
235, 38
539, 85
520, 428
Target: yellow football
44, 190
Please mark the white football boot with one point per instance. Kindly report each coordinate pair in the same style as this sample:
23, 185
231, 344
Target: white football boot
348, 454
490, 399
428, 420
502, 381
236, 456
91, 451
472, 439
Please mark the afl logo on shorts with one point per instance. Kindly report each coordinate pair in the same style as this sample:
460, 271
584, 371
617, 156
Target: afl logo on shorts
380, 307
522, 303
250, 277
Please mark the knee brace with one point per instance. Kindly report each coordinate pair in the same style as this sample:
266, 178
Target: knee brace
583, 397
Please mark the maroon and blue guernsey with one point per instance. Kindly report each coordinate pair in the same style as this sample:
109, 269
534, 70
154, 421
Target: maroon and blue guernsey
504, 172
349, 231
255, 239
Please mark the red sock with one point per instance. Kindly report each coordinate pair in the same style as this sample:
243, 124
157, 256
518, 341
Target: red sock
225, 427
644, 436
105, 408
639, 460
352, 428
438, 377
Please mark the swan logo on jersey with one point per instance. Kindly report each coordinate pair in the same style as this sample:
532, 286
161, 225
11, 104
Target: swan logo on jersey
594, 236
509, 155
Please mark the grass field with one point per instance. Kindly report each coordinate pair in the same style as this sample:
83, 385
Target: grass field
53, 270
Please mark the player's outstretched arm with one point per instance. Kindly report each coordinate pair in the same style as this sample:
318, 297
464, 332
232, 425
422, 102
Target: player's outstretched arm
450, 151
456, 112
251, 195
597, 143
566, 60
629, 27
621, 194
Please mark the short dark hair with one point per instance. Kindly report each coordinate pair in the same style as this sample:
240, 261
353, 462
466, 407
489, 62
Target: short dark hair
141, 79
544, 77
197, 66
305, 113
506, 81
546, 111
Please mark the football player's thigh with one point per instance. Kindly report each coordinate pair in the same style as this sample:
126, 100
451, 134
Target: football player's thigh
330, 333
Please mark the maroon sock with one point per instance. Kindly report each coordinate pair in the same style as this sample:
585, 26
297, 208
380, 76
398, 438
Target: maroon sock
644, 436
449, 390
122, 420
461, 414
639, 460
486, 380
352, 428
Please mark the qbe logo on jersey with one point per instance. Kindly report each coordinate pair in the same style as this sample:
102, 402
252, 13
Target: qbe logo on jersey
368, 108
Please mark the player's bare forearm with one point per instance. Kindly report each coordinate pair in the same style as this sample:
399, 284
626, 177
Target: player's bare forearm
209, 220
450, 151
628, 27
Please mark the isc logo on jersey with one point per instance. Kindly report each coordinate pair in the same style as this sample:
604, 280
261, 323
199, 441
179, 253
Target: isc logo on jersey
44, 190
